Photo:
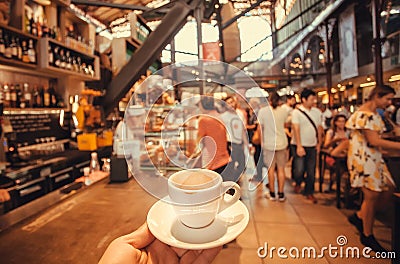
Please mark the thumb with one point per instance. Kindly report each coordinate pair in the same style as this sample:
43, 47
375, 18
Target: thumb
140, 238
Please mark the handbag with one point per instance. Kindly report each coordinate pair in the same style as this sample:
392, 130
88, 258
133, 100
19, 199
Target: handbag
256, 138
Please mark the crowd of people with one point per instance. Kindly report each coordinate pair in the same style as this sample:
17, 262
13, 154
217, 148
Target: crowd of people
297, 131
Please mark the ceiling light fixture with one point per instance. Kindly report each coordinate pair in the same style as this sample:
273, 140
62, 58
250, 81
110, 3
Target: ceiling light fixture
367, 84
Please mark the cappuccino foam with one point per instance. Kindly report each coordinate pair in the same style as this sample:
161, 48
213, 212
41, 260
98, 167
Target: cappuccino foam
193, 180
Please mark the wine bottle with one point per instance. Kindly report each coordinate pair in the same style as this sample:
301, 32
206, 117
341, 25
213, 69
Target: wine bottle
46, 97
45, 29
19, 49
57, 60
7, 96
19, 96
33, 26
63, 62
68, 65
25, 55
39, 27
51, 55
27, 22
7, 49
27, 95
31, 52
13, 96
35, 97
14, 50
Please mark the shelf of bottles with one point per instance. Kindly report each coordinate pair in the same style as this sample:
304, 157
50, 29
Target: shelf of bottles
17, 48
57, 57
20, 96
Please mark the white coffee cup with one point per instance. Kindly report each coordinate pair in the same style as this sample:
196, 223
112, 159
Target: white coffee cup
198, 195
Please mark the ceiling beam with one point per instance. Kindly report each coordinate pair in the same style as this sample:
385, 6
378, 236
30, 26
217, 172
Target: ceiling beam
233, 19
111, 5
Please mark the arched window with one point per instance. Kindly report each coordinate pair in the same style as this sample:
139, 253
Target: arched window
254, 41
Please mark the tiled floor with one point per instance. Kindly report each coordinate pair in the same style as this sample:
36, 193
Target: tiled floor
297, 223
79, 229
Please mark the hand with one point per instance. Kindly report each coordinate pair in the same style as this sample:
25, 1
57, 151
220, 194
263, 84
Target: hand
140, 247
318, 148
252, 149
300, 151
4, 195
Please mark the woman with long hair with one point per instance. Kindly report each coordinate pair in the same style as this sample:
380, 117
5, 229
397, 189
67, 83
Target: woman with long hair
366, 166
336, 136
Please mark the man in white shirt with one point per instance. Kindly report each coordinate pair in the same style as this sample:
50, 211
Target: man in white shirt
326, 117
305, 144
236, 135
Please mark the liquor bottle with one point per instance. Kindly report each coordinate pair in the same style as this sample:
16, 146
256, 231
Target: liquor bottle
75, 66
62, 59
14, 50
35, 97
7, 96
79, 61
19, 96
45, 28
31, 52
39, 27
68, 65
27, 22
90, 70
33, 26
57, 59
2, 45
46, 97
39, 98
7, 49
27, 96
19, 49
25, 55
20, 102
52, 96
13, 96
50, 55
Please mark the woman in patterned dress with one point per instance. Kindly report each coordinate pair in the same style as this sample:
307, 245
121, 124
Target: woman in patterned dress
367, 168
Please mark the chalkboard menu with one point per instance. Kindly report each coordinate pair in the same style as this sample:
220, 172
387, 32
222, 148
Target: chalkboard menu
27, 126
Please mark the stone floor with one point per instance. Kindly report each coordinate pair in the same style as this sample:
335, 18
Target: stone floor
78, 229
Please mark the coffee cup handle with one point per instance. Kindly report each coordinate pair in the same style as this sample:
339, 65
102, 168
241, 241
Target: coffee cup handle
228, 200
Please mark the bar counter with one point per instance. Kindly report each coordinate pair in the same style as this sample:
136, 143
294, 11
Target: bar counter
45, 175
79, 227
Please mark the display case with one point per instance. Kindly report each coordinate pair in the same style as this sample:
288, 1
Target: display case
169, 139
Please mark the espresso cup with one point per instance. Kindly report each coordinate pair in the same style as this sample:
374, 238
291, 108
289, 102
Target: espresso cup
198, 195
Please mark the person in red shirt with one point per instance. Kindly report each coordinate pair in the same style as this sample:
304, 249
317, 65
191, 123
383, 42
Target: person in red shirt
212, 136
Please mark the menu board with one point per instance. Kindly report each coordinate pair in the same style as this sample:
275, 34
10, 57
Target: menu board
27, 127
30, 123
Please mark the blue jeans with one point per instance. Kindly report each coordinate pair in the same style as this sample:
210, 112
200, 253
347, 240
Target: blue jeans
304, 164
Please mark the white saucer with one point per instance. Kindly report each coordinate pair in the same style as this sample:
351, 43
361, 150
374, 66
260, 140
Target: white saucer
164, 225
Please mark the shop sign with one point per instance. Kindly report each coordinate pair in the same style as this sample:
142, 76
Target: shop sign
211, 51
